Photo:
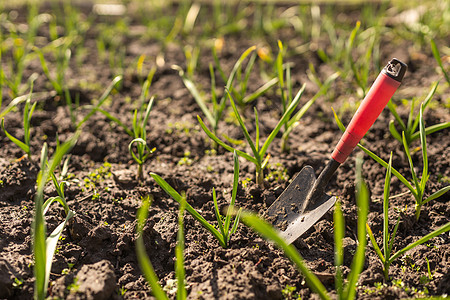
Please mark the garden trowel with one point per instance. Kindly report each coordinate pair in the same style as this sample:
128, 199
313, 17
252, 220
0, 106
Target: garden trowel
304, 201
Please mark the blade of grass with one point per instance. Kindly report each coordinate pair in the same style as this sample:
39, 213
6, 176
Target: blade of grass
179, 250
229, 148
362, 200
339, 234
424, 239
144, 261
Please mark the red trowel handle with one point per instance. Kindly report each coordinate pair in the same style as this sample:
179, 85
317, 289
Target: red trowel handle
376, 99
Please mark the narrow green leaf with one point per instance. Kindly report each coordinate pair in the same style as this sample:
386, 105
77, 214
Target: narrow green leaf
374, 243
392, 237
423, 143
437, 56
144, 261
115, 120
233, 193
394, 131
387, 190
51, 243
179, 254
146, 117
102, 99
339, 234
16, 141
229, 148
399, 120
429, 130
437, 194
362, 200
424, 239
411, 165
197, 97
260, 91
277, 128
218, 215
245, 131
236, 222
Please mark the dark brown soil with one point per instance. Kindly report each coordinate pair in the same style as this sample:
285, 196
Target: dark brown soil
97, 246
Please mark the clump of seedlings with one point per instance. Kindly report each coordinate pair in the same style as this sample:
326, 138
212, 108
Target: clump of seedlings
418, 189
44, 246
387, 256
259, 157
138, 147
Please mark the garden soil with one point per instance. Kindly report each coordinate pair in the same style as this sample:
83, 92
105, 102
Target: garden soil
96, 259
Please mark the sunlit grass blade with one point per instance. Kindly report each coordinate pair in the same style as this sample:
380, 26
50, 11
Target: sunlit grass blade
374, 243
16, 141
362, 201
436, 194
430, 129
244, 129
144, 261
233, 193
50, 245
219, 142
179, 254
339, 234
425, 103
268, 232
43, 255
102, 99
217, 212
422, 240
281, 122
437, 56
411, 165
387, 190
197, 97
399, 120
423, 143
260, 91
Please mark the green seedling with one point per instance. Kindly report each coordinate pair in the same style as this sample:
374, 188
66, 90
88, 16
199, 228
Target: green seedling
437, 56
387, 256
347, 291
223, 235
102, 100
138, 131
285, 85
144, 260
140, 138
418, 189
410, 127
259, 157
44, 247
27, 113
